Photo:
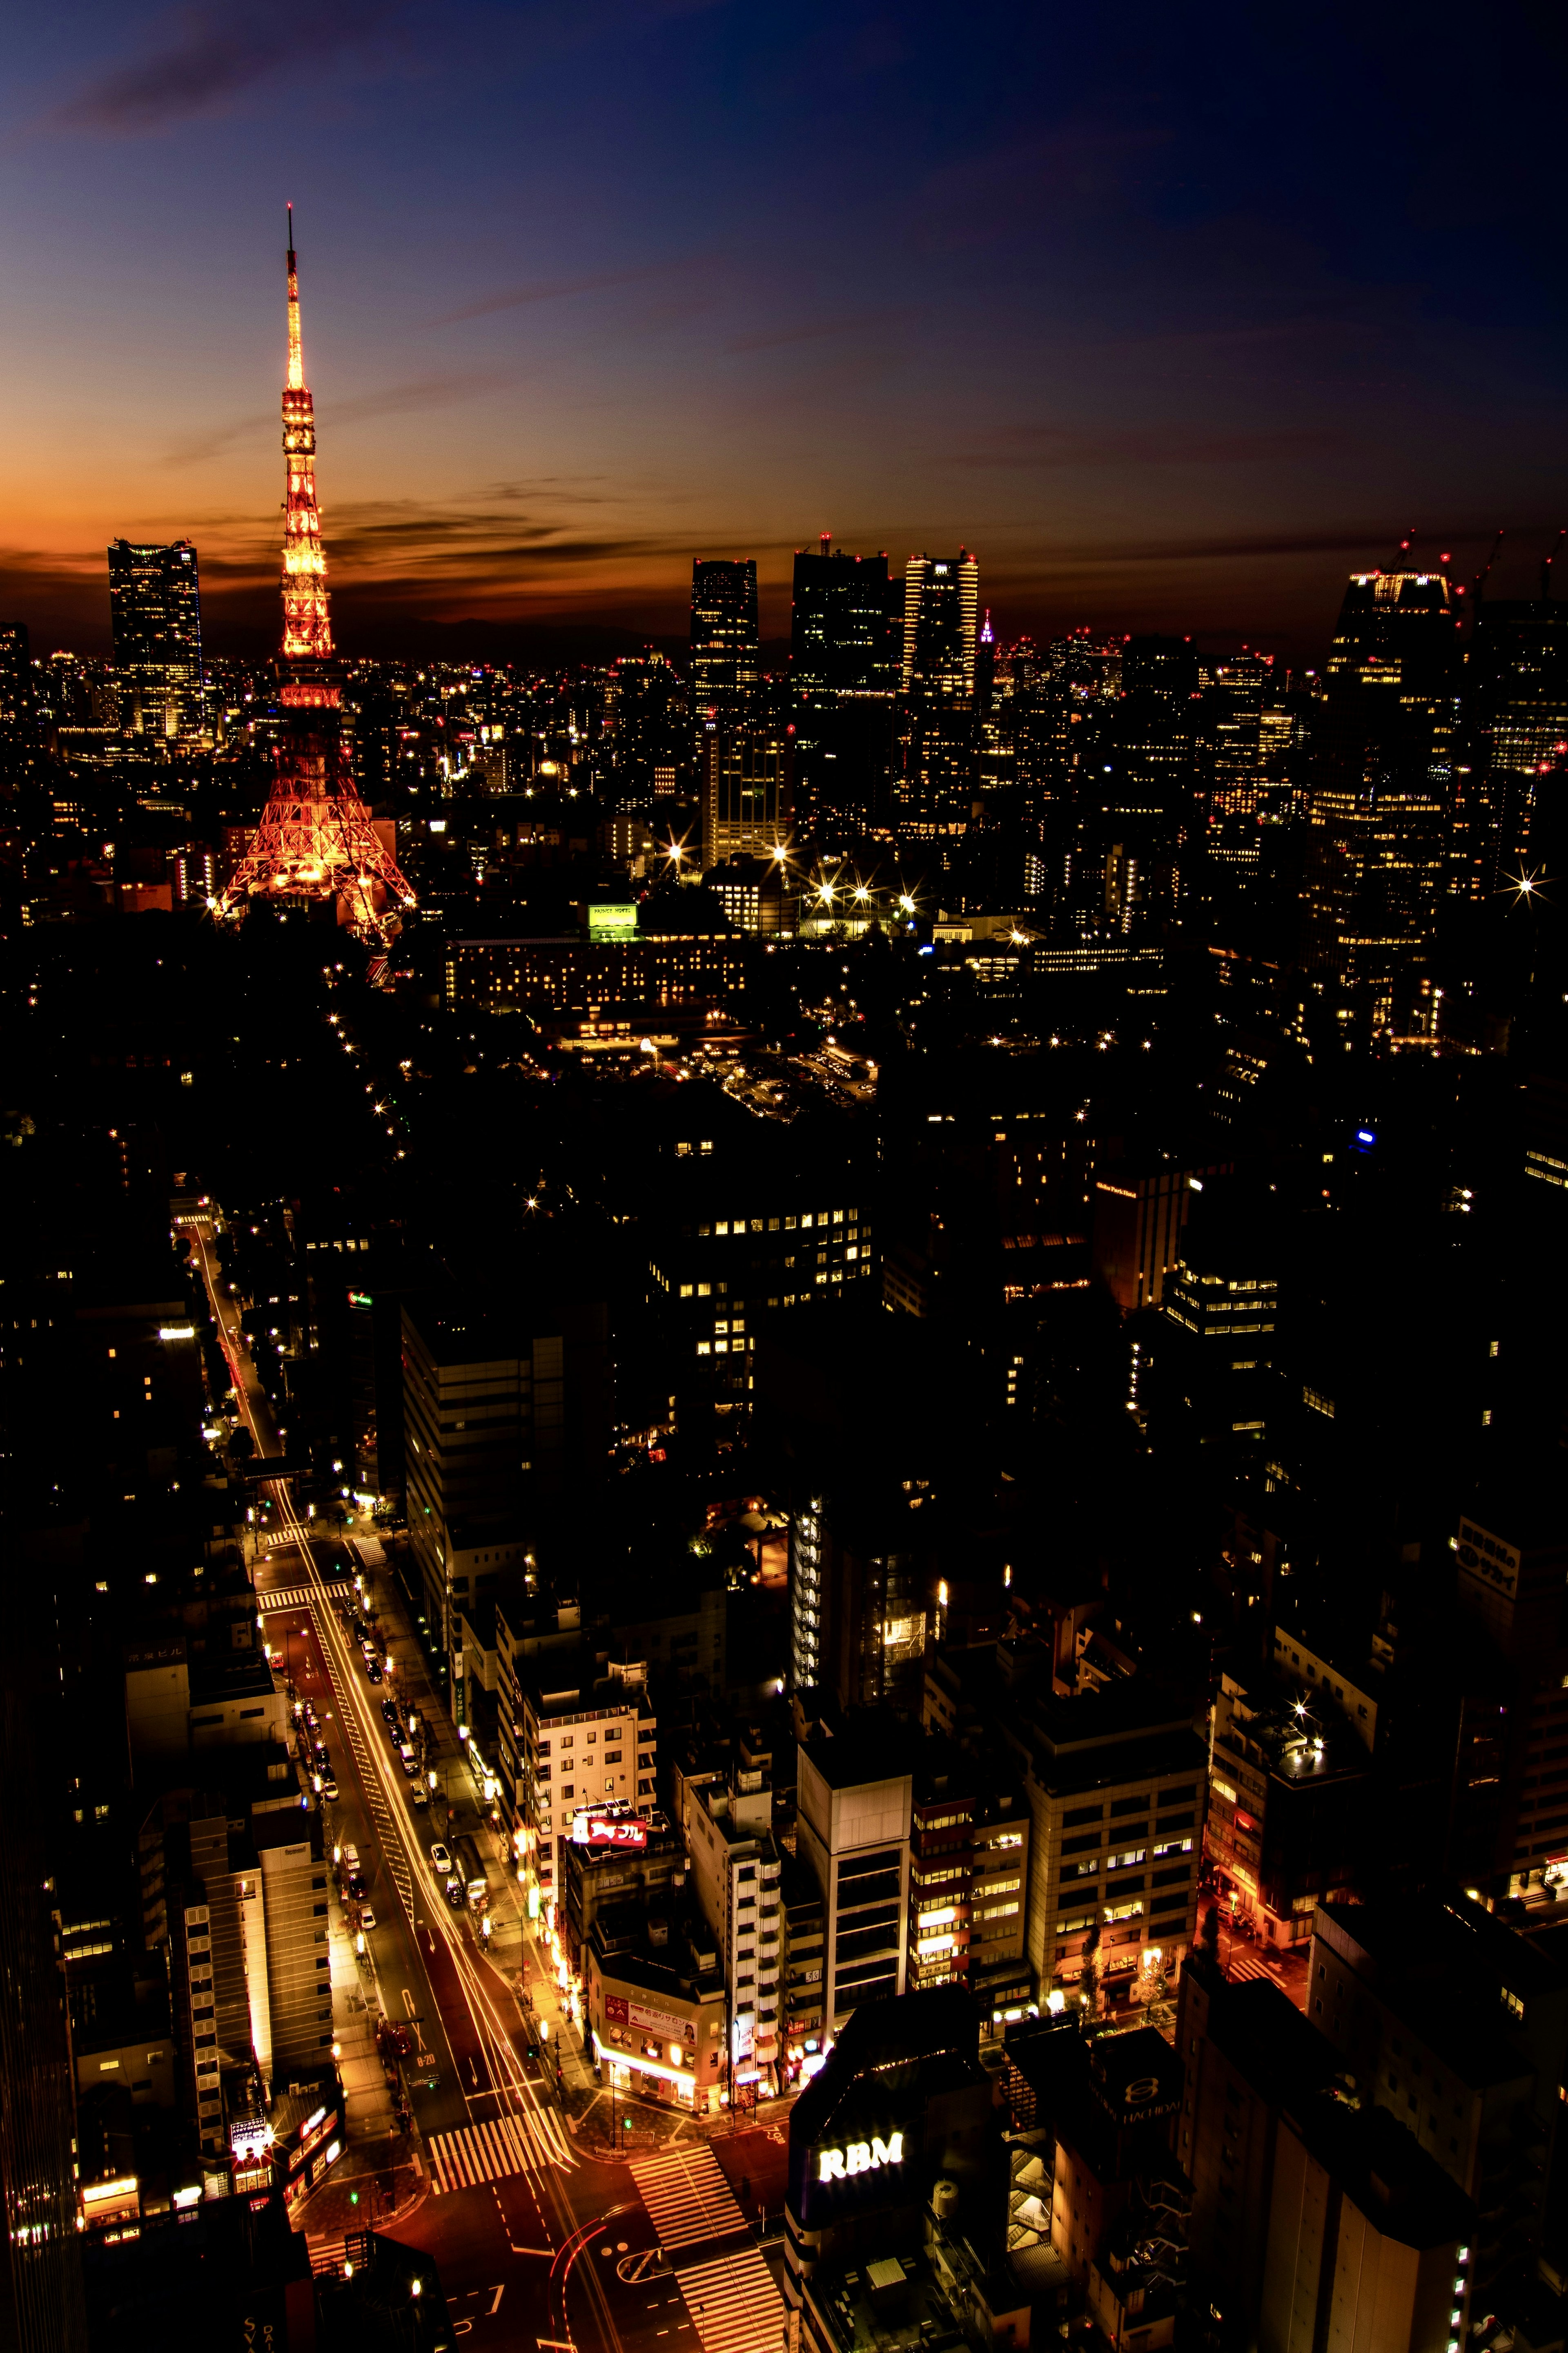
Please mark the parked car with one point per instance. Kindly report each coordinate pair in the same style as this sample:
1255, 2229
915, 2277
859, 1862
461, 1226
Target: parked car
406, 1758
373, 1673
329, 1783
440, 1859
418, 1795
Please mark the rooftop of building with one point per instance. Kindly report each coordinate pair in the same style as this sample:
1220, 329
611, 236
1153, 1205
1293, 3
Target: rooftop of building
888, 2303
1295, 1742
562, 1688
644, 1967
936, 2033
220, 1678
858, 1757
1127, 1712
1110, 2099
1442, 1968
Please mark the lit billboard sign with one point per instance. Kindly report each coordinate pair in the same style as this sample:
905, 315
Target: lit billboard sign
609, 1829
859, 2156
618, 922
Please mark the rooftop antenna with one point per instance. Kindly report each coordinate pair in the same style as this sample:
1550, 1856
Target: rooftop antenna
291, 229
1547, 562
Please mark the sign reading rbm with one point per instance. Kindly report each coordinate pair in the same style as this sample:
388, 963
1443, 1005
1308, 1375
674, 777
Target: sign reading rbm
859, 2156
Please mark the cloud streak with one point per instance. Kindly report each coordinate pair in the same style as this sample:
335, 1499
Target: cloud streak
394, 400
209, 55
1028, 447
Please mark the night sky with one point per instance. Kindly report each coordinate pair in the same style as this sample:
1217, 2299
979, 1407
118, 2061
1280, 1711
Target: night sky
1173, 314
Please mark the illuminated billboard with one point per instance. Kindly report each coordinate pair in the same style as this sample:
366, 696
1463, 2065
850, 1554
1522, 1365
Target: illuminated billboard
594, 1829
616, 921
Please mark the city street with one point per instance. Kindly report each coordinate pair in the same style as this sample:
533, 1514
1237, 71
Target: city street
538, 2240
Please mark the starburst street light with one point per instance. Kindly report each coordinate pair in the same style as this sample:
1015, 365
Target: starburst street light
905, 904
1527, 887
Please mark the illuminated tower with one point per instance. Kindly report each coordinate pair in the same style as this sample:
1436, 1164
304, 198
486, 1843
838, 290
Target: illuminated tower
316, 839
306, 624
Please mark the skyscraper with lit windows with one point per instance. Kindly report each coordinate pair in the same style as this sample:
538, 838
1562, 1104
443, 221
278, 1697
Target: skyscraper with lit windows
155, 614
726, 658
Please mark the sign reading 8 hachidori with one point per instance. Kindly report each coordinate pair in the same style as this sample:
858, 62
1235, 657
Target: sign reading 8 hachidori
859, 2156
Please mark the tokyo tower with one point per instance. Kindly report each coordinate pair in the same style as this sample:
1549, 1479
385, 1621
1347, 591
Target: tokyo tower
316, 839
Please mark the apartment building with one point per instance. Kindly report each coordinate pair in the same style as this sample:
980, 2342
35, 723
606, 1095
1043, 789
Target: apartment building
586, 1743
735, 1864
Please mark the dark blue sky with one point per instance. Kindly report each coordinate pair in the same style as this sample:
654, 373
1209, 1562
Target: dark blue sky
1171, 315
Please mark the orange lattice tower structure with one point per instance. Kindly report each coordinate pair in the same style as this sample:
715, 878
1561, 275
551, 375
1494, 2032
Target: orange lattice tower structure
316, 839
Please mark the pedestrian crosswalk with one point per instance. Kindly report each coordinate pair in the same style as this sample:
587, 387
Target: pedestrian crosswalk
687, 2196
496, 2150
1245, 1965
734, 2305
326, 2254
291, 1597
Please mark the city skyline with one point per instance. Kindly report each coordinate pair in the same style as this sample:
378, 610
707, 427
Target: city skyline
1156, 338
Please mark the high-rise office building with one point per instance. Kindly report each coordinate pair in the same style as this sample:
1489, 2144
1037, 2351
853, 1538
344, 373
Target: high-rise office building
746, 789
844, 654
726, 658
155, 613
942, 611
18, 714
646, 730
937, 747
839, 641
1377, 853
1513, 745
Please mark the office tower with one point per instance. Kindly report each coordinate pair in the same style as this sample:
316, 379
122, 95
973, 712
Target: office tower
1399, 1989
942, 608
1307, 2200
1114, 1781
474, 1410
938, 738
897, 2183
155, 614
747, 788
853, 1797
315, 839
839, 641
1377, 852
18, 710
1513, 747
726, 660
646, 733
804, 1916
1288, 1785
844, 673
1233, 707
